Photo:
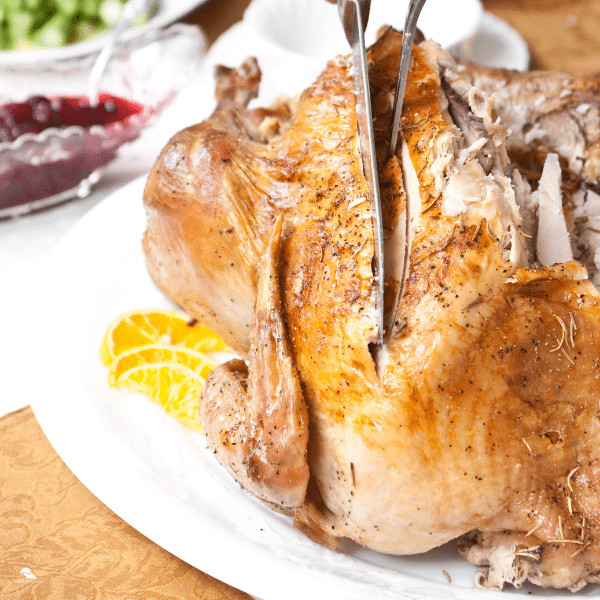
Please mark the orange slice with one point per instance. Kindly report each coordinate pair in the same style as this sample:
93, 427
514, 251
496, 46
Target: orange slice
152, 326
160, 354
176, 388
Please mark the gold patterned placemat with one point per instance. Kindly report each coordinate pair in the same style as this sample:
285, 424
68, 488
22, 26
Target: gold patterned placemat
59, 542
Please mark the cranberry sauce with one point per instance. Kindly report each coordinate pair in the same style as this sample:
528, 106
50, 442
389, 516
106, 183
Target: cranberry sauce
38, 113
53, 166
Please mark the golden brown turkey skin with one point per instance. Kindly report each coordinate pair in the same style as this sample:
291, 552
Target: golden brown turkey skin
205, 233
258, 425
481, 414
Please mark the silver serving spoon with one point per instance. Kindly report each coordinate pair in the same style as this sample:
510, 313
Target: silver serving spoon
131, 9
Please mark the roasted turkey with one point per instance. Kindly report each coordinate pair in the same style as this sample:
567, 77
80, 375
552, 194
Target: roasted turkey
479, 418
560, 113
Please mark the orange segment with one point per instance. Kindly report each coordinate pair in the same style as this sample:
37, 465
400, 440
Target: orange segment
152, 326
160, 354
175, 388
199, 364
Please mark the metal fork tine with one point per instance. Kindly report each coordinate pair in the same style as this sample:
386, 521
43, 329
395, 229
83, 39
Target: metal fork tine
354, 15
410, 26
412, 16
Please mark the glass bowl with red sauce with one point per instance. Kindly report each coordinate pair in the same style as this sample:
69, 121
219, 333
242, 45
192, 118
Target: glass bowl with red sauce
55, 145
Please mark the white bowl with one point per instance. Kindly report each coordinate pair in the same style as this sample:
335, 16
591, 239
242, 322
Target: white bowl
448, 22
496, 44
309, 30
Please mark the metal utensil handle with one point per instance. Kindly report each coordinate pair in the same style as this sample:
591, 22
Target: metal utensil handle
354, 15
410, 26
131, 10
362, 6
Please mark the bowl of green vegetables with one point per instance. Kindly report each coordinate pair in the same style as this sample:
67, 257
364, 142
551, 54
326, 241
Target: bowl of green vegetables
42, 30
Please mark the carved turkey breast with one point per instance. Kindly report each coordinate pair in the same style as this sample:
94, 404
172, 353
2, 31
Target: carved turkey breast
480, 417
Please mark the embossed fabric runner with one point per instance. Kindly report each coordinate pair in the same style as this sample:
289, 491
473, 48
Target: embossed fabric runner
59, 542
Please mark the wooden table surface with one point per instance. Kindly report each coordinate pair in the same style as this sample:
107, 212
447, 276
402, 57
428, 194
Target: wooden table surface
216, 16
562, 35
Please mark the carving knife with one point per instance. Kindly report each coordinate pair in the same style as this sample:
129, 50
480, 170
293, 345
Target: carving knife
408, 36
354, 15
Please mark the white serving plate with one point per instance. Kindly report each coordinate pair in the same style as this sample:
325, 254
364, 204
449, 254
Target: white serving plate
158, 475
154, 473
